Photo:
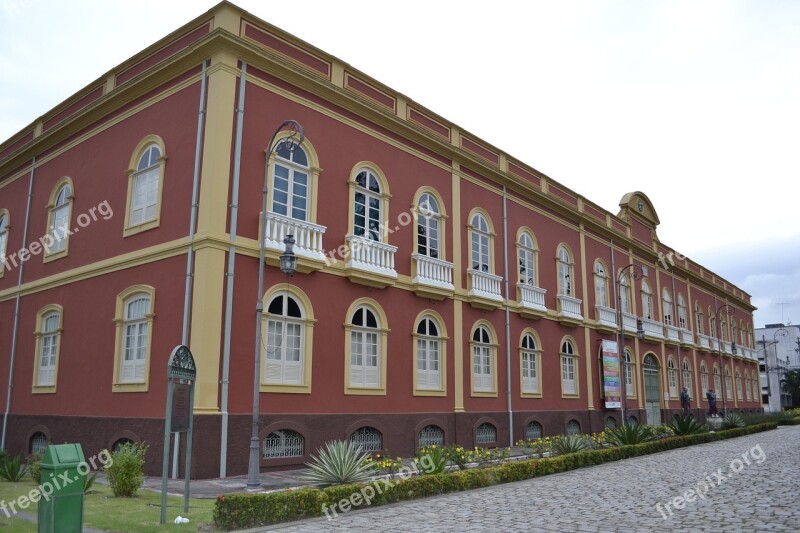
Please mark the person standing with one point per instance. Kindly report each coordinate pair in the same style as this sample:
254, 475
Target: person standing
685, 401
711, 396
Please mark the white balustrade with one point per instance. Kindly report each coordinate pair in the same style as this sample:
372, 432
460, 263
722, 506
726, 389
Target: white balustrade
606, 316
433, 272
672, 333
569, 307
532, 297
307, 236
484, 285
371, 256
628, 322
652, 328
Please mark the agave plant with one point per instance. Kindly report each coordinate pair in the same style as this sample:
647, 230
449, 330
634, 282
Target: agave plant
686, 425
628, 434
13, 468
565, 444
733, 420
340, 462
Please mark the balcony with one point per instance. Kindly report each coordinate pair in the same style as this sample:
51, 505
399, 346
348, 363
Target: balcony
531, 300
308, 246
673, 334
433, 277
606, 317
704, 342
686, 337
484, 288
569, 309
748, 353
653, 329
726, 347
370, 262
628, 323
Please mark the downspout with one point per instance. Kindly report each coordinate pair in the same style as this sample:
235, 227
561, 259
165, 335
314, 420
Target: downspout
676, 303
508, 321
226, 353
620, 348
187, 293
16, 310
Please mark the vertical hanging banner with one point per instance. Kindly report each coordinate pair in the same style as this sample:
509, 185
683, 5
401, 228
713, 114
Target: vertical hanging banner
611, 375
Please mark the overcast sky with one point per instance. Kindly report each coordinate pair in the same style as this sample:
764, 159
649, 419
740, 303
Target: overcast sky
696, 104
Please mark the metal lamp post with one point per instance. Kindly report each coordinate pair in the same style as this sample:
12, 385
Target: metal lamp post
781, 332
288, 264
719, 350
636, 273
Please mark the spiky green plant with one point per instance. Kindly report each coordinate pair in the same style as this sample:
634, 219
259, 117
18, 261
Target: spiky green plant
686, 425
628, 434
13, 468
431, 459
566, 444
733, 420
340, 462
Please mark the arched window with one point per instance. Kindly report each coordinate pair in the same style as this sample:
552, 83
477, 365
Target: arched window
429, 355
632, 420
569, 370
39, 443
733, 331
482, 360
283, 443
698, 317
704, 378
533, 431
485, 434
573, 427
146, 186
728, 384
368, 438
747, 388
647, 300
430, 436
291, 181
756, 384
611, 422
48, 346
666, 301
285, 346
3, 240
600, 284
712, 323
723, 324
630, 384
365, 349
739, 388
368, 207
717, 381
682, 312
687, 376
529, 356
672, 373
565, 275
58, 223
429, 222
480, 246
134, 320
527, 259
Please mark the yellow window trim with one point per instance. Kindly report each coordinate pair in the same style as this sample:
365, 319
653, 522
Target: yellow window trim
130, 229
538, 352
384, 194
443, 338
383, 332
119, 321
39, 333
313, 171
417, 212
575, 356
529, 231
51, 204
483, 394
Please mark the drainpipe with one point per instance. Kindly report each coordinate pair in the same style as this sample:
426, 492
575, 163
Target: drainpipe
226, 353
16, 310
676, 307
508, 321
187, 293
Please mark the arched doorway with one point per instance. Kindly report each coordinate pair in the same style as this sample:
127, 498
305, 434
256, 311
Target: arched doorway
652, 390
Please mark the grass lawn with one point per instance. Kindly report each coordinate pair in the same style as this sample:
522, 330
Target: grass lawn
103, 511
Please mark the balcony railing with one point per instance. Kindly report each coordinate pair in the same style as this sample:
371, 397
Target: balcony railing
307, 236
652, 328
606, 316
726, 347
433, 272
748, 353
628, 322
704, 341
484, 285
569, 307
532, 297
686, 337
672, 333
371, 256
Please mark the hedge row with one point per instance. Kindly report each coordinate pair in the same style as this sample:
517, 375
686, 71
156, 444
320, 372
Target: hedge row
237, 511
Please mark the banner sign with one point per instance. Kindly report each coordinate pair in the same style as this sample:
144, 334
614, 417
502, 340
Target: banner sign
611, 375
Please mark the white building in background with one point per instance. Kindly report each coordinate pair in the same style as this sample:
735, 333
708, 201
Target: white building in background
778, 352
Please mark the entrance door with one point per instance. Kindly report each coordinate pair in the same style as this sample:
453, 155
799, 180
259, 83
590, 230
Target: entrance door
652, 390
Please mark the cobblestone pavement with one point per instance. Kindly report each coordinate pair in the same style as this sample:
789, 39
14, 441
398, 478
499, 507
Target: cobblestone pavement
618, 496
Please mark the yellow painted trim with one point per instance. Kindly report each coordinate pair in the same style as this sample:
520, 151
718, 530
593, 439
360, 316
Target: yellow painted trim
385, 196
416, 212
119, 321
137, 153
308, 328
383, 332
458, 355
313, 174
633, 395
532, 235
66, 180
538, 354
493, 344
561, 367
671, 358
571, 257
458, 267
39, 333
440, 323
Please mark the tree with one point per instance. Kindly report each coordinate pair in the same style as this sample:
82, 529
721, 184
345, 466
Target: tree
791, 385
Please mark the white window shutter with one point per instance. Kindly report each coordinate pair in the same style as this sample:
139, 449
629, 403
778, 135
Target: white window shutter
272, 371
293, 373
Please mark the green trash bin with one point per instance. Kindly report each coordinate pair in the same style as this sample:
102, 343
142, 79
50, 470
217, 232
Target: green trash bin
63, 480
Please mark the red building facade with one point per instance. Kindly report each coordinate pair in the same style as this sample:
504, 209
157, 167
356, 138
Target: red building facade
446, 292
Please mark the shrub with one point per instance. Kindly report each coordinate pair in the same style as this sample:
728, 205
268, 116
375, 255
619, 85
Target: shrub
733, 420
457, 455
539, 446
686, 425
431, 460
566, 444
384, 464
125, 469
35, 467
628, 434
13, 468
340, 462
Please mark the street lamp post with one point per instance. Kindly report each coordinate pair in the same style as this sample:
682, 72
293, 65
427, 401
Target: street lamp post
288, 265
719, 350
780, 332
635, 273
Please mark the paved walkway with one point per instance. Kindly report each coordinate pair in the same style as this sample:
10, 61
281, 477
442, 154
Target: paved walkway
630, 495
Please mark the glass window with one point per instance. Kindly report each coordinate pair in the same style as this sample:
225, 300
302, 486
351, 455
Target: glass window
600, 284
284, 357
625, 295
482, 371
3, 241
568, 369
368, 206
687, 377
630, 389
134, 352
698, 312
704, 379
364, 349
564, 261
429, 354
527, 259
480, 244
291, 182
647, 300
59, 220
144, 200
667, 304
682, 312
530, 365
672, 374
51, 335
428, 226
